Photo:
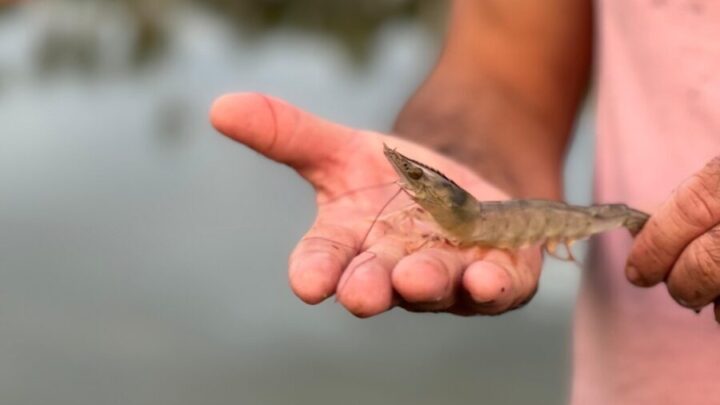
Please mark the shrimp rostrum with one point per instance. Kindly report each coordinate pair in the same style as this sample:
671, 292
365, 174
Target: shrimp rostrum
511, 224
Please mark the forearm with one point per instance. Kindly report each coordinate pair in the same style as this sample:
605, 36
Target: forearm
504, 109
492, 132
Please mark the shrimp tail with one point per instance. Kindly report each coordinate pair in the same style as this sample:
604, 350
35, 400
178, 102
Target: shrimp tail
635, 221
631, 219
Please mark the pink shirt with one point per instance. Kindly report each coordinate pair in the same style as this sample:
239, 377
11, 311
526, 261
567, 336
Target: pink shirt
658, 122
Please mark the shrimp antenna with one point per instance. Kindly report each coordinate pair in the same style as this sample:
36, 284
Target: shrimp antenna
372, 224
359, 189
364, 239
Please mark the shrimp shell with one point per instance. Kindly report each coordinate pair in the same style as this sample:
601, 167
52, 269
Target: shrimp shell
508, 224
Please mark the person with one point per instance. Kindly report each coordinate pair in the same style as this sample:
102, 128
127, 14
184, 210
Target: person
495, 115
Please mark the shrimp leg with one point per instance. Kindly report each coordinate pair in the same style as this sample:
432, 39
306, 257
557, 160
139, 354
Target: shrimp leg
551, 249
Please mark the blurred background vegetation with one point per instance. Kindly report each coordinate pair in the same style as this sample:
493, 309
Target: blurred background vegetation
76, 35
143, 257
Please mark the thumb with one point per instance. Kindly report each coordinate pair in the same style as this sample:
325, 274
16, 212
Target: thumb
278, 130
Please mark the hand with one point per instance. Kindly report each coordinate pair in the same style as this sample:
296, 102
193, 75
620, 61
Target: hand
680, 244
337, 160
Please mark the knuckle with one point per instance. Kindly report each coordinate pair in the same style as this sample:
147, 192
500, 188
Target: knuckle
697, 200
707, 260
700, 283
693, 205
713, 168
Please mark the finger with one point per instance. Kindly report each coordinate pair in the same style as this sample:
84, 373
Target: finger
316, 264
429, 279
277, 129
694, 281
365, 288
501, 281
691, 211
717, 309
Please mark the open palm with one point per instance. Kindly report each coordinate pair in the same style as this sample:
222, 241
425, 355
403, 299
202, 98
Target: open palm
372, 274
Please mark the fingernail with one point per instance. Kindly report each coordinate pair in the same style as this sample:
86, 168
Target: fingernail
683, 302
688, 305
633, 275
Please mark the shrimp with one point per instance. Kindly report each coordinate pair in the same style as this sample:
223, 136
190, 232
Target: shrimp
508, 224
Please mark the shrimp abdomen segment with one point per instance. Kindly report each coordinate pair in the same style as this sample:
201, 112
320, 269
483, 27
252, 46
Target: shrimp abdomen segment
517, 223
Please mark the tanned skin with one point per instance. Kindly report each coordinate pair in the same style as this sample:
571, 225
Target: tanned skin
505, 91
494, 115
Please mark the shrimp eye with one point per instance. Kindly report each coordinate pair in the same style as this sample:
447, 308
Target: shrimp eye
415, 173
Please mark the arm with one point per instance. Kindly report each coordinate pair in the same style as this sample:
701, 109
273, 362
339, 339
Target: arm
500, 100
504, 93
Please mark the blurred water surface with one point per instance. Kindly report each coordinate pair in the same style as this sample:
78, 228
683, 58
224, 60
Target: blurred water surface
143, 257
